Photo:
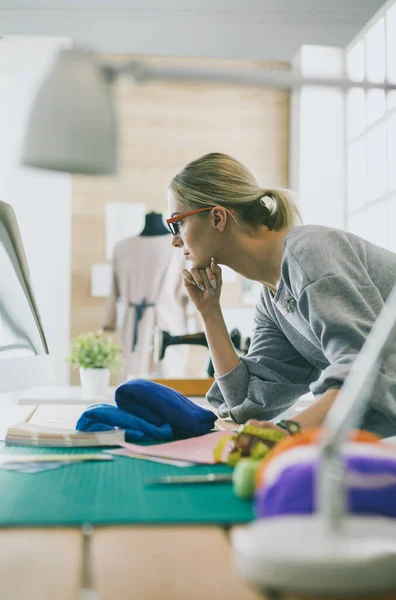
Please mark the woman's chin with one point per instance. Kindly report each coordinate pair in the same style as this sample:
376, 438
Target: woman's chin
195, 263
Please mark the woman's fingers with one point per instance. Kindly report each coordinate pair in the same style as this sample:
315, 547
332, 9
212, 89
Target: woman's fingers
211, 277
256, 423
216, 271
265, 425
198, 278
206, 279
262, 424
195, 277
188, 278
211, 281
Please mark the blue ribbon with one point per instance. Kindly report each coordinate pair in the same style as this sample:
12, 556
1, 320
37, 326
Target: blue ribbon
139, 310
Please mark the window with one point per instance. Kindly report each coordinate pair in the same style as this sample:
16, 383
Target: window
371, 133
375, 52
356, 112
376, 162
357, 174
391, 152
391, 220
391, 52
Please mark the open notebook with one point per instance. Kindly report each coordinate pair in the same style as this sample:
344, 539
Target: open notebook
29, 434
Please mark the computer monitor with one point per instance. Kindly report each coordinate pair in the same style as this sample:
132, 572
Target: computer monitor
24, 355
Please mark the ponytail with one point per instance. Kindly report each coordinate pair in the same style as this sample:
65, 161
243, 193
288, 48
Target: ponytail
283, 211
219, 179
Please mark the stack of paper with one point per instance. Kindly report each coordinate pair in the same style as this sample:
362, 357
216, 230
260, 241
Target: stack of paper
197, 450
28, 434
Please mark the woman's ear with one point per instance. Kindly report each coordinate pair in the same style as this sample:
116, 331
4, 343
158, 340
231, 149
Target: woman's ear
219, 218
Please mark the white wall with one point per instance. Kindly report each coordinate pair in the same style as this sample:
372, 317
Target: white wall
371, 132
41, 199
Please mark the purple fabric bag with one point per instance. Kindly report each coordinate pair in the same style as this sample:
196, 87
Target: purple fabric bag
289, 483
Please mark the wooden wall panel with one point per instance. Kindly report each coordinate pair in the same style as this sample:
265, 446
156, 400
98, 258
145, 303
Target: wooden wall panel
162, 126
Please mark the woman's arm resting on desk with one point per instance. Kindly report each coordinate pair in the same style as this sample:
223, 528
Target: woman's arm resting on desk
314, 415
310, 418
340, 314
267, 381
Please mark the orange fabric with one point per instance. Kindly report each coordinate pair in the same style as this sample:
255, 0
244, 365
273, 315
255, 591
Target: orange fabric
305, 438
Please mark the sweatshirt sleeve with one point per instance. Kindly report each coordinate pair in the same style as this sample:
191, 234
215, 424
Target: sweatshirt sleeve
267, 381
341, 314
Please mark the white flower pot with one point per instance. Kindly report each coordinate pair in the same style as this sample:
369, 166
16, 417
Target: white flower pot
94, 383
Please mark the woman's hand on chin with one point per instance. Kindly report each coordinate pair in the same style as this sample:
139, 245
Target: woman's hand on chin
204, 287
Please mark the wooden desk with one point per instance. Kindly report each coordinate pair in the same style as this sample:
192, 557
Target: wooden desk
175, 563
120, 563
39, 564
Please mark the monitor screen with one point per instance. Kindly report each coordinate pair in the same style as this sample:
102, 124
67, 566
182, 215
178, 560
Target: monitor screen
22, 339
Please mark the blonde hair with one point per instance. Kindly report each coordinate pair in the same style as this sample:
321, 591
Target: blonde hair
219, 180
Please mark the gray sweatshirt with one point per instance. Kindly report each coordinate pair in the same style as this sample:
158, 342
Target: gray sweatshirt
333, 286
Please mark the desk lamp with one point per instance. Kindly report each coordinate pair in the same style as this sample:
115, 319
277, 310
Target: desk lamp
72, 128
72, 124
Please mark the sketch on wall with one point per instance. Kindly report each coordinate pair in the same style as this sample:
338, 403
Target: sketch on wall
100, 280
123, 220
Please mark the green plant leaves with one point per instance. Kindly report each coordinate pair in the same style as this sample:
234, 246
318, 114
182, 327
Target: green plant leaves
94, 351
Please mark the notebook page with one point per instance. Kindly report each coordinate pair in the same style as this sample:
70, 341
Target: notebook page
198, 450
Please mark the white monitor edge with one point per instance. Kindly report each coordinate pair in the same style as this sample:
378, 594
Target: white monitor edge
20, 374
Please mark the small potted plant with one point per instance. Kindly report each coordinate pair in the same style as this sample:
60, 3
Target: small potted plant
96, 356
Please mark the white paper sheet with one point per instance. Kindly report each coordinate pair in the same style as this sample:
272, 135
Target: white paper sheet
123, 220
101, 280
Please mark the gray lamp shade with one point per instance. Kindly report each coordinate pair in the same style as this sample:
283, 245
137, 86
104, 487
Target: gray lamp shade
72, 125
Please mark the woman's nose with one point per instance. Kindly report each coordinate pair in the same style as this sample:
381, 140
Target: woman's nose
177, 242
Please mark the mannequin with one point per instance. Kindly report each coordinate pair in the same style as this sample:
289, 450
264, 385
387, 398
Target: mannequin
154, 225
146, 277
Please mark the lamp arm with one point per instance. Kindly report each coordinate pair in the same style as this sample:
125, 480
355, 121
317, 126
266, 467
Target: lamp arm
347, 412
141, 72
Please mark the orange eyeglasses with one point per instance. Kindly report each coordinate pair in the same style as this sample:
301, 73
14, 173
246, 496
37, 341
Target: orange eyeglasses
174, 222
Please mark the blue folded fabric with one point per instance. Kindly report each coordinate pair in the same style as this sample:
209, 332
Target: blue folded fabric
103, 417
160, 405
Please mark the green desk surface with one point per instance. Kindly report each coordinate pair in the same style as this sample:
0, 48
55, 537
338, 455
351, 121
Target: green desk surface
114, 492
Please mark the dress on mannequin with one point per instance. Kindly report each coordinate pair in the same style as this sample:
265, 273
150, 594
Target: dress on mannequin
147, 278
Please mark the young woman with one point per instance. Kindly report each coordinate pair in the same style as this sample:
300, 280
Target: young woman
322, 291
